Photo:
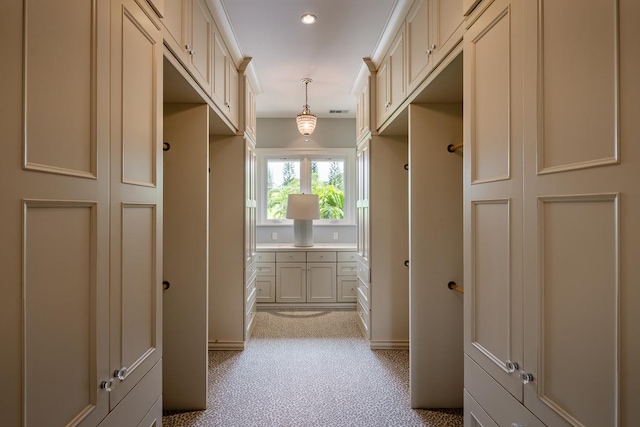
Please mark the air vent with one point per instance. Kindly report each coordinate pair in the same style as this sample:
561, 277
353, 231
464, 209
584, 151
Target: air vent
338, 111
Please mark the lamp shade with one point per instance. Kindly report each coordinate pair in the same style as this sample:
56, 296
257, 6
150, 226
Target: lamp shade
303, 206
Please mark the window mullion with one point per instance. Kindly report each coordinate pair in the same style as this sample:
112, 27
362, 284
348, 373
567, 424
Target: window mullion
305, 175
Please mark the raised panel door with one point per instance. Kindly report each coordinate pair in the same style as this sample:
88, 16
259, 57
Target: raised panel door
581, 204
136, 196
220, 54
291, 282
231, 92
55, 213
446, 29
200, 30
492, 218
397, 74
321, 282
419, 54
382, 93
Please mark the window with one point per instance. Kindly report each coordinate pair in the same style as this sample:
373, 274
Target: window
327, 173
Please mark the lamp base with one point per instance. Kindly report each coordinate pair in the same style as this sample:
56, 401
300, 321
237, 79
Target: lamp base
303, 232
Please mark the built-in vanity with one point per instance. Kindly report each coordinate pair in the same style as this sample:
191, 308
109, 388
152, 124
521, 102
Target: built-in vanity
323, 275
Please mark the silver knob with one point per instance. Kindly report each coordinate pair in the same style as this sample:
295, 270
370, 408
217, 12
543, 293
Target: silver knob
107, 385
427, 52
120, 374
192, 52
526, 377
511, 366
432, 47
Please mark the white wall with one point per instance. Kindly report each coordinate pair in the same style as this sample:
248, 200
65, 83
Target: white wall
329, 133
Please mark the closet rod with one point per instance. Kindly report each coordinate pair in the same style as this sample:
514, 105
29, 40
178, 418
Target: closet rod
453, 147
454, 287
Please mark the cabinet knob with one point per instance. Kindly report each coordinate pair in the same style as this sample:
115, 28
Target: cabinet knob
432, 47
526, 377
511, 366
517, 425
121, 373
107, 385
427, 52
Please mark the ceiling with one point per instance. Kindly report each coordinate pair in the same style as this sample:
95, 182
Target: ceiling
284, 50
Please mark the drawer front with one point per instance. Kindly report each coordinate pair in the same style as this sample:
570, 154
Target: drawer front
265, 257
363, 291
291, 257
347, 268
266, 268
365, 319
363, 273
347, 256
321, 257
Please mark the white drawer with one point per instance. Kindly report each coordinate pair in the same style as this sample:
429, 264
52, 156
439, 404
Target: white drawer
265, 257
291, 257
266, 268
321, 257
347, 288
347, 268
363, 291
363, 273
347, 256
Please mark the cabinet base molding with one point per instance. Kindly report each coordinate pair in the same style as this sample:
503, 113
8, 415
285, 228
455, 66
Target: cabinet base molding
304, 306
388, 345
226, 345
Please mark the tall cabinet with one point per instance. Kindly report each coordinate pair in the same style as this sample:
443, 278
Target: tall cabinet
382, 229
82, 219
551, 197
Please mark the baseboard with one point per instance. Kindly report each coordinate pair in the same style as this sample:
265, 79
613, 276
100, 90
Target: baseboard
389, 345
302, 306
226, 345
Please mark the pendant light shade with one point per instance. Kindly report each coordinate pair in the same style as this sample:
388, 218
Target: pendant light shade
306, 121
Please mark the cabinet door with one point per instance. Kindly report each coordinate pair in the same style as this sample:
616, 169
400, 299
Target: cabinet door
397, 75
219, 70
200, 50
382, 93
446, 29
175, 17
347, 288
582, 205
250, 203
291, 282
492, 121
418, 53
136, 196
265, 288
321, 282
363, 231
55, 213
231, 92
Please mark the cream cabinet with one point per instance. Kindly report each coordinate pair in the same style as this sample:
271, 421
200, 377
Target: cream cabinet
363, 107
433, 28
190, 31
550, 205
383, 281
391, 84
82, 220
291, 277
298, 276
250, 118
225, 80
232, 281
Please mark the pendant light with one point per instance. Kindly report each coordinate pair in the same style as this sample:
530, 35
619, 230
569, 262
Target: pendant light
306, 121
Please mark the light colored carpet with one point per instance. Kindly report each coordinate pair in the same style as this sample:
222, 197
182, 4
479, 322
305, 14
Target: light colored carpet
310, 368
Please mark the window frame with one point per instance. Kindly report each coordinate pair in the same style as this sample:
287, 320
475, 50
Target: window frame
305, 156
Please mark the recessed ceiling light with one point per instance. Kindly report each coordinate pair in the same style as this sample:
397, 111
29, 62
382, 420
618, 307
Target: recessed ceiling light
308, 18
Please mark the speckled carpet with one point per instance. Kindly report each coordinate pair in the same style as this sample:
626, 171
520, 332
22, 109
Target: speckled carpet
310, 368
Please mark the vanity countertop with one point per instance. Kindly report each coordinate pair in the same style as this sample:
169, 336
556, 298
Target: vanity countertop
338, 247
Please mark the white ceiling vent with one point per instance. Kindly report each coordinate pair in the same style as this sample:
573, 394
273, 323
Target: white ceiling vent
338, 111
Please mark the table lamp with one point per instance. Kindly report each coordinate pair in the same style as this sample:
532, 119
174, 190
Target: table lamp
303, 209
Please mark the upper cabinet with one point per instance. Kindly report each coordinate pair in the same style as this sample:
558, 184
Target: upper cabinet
190, 28
250, 121
391, 81
225, 80
363, 117
193, 38
433, 27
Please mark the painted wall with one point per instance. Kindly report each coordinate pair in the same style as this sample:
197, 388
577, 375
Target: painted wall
329, 133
